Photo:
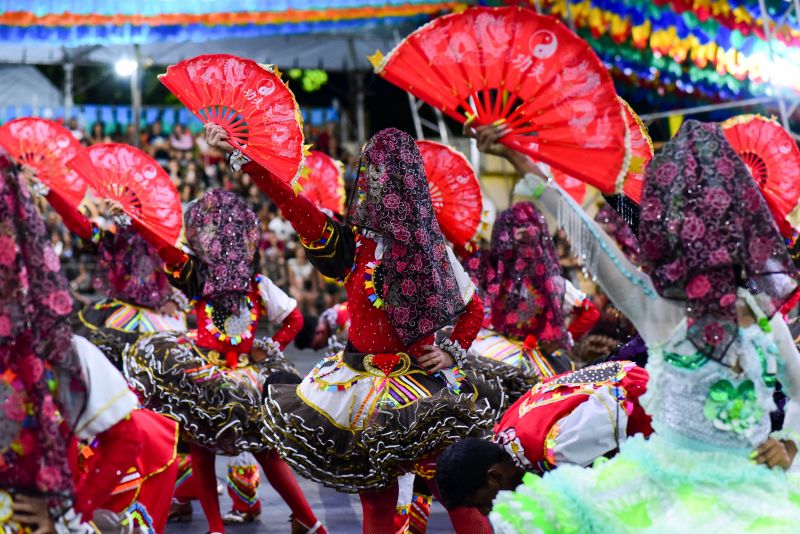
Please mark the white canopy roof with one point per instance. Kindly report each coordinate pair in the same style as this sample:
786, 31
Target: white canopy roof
24, 85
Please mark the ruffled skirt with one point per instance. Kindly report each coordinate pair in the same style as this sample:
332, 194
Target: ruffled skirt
517, 368
113, 325
654, 487
353, 426
216, 406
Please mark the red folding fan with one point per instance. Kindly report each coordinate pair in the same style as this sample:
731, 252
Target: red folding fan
134, 179
527, 71
46, 147
641, 153
250, 101
574, 187
323, 183
772, 157
455, 191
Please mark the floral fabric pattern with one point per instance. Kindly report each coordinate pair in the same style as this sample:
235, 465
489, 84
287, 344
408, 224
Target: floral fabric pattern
391, 198
129, 269
523, 286
40, 376
223, 234
705, 229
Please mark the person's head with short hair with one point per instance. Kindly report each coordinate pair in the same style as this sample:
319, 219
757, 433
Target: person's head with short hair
471, 472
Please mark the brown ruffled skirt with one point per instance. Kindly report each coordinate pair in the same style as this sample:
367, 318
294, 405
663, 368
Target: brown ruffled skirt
354, 427
216, 406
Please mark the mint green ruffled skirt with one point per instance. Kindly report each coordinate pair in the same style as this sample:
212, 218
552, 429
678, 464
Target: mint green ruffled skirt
654, 487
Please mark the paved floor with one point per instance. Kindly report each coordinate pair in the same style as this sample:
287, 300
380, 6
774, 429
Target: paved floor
340, 512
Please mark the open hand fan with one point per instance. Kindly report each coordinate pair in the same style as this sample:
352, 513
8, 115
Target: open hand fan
46, 147
134, 179
455, 191
512, 66
250, 101
641, 153
574, 187
323, 183
772, 157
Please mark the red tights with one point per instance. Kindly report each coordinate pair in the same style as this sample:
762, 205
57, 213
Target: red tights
277, 472
379, 508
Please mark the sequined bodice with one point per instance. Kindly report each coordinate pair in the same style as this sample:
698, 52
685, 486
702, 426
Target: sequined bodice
370, 330
223, 332
711, 404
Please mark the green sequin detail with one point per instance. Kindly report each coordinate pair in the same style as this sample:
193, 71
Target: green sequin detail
732, 408
769, 378
763, 323
686, 361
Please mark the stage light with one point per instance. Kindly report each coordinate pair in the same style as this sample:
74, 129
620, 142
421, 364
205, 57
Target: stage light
125, 67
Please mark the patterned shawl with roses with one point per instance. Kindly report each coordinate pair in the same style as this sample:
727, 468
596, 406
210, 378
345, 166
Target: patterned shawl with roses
392, 199
129, 269
223, 232
523, 285
705, 230
40, 375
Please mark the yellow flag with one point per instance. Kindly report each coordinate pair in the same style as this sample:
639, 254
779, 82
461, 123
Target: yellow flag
675, 122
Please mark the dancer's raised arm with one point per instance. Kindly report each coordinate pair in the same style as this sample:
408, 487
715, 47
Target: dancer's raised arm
628, 288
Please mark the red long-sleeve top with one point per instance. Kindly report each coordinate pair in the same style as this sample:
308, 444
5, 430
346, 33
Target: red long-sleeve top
183, 275
370, 329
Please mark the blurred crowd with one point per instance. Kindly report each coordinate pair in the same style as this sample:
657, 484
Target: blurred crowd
195, 168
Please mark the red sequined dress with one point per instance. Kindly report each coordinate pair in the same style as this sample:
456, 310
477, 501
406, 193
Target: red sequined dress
206, 378
365, 415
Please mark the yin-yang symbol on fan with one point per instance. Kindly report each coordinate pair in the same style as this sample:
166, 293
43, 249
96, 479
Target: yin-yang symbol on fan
543, 44
266, 88
149, 172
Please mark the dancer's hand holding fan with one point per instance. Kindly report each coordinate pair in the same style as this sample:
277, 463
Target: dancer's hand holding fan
45, 147
137, 182
256, 109
526, 71
323, 182
773, 159
455, 192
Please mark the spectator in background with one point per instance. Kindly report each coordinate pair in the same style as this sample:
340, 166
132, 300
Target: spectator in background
273, 260
283, 230
130, 135
193, 174
181, 141
188, 193
158, 144
76, 130
303, 281
324, 139
156, 134
174, 170
98, 134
